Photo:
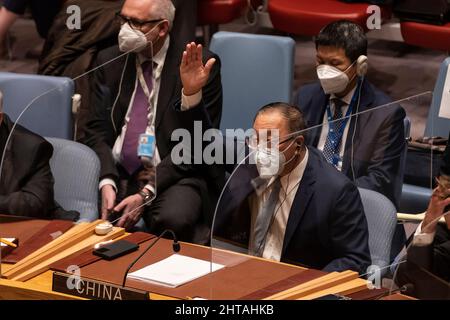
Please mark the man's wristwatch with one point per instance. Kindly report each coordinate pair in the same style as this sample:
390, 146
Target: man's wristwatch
146, 196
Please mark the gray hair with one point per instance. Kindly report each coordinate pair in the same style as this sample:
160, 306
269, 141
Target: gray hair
1, 102
164, 9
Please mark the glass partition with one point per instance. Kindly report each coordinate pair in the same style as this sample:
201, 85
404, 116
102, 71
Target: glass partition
63, 177
316, 208
331, 210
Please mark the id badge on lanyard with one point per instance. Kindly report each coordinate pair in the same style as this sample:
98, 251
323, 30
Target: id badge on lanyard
146, 146
147, 141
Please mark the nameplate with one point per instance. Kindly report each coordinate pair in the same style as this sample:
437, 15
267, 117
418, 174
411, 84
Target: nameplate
94, 290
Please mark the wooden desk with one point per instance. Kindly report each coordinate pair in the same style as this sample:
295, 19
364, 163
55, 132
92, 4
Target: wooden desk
398, 296
40, 288
244, 277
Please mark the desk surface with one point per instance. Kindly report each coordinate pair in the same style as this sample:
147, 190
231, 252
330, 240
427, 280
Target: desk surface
243, 272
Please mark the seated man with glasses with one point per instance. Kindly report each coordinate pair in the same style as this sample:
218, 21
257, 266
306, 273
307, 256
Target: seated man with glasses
146, 92
292, 205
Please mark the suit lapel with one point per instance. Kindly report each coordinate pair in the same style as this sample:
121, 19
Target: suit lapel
169, 81
301, 201
126, 92
8, 171
367, 100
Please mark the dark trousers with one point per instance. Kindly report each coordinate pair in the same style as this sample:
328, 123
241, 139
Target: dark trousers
43, 11
180, 208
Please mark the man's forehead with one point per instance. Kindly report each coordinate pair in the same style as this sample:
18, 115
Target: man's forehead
330, 52
270, 122
141, 9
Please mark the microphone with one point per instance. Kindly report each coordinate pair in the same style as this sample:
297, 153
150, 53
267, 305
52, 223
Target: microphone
175, 247
407, 288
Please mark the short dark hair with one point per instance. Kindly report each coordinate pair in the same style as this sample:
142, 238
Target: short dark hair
346, 35
295, 118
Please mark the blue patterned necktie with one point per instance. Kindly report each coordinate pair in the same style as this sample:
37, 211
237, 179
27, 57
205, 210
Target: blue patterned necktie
335, 133
137, 123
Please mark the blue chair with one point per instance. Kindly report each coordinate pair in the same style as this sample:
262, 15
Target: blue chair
51, 114
415, 198
76, 170
381, 218
437, 126
256, 70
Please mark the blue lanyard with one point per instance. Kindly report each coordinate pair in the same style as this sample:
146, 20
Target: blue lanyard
336, 137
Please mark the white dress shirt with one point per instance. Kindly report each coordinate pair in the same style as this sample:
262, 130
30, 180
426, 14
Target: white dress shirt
186, 103
325, 127
273, 245
422, 239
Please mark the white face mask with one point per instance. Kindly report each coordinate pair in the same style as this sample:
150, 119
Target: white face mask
131, 40
271, 162
332, 79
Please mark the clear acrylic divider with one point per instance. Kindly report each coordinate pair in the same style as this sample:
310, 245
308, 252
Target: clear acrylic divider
101, 108
248, 223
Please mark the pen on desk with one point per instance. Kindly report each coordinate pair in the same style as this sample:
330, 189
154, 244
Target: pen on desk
8, 243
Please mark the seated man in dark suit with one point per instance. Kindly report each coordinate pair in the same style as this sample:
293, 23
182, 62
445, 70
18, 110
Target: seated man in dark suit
300, 211
428, 259
147, 92
367, 148
26, 183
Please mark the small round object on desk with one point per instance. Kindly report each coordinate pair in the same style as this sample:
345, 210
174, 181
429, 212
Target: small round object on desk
103, 228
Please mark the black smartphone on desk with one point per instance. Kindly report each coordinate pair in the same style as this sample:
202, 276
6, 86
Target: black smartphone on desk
116, 249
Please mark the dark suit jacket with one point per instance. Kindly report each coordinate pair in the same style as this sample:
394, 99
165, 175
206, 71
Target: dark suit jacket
26, 186
426, 271
69, 53
379, 141
104, 124
436, 256
326, 229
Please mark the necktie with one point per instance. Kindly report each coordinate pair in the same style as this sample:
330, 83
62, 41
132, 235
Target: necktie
335, 132
137, 123
264, 219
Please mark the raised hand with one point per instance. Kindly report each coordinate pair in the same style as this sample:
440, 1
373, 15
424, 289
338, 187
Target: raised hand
435, 210
194, 75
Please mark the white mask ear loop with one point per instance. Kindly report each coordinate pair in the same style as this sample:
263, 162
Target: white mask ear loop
157, 39
293, 157
356, 73
350, 66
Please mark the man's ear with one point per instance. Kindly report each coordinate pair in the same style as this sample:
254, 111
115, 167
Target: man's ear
300, 140
164, 30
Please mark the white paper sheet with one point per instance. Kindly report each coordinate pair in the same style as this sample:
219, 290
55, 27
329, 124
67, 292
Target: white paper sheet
175, 271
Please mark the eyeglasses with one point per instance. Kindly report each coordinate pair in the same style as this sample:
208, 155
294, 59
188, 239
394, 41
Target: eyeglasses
134, 23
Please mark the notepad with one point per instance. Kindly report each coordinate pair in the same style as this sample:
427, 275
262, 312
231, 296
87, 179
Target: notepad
175, 271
